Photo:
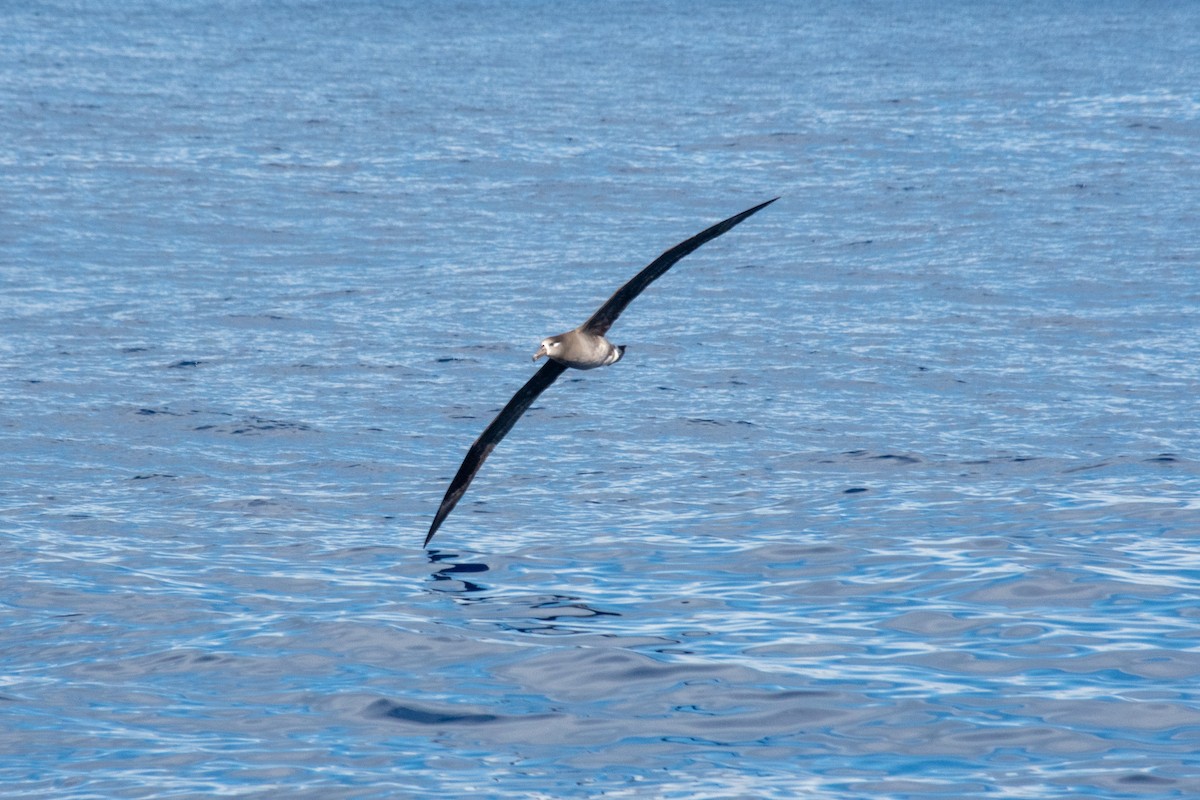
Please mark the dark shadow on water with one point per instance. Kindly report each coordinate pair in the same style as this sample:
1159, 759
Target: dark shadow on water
432, 716
552, 615
454, 572
424, 716
536, 614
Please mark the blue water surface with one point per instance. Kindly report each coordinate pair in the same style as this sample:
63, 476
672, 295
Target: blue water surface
895, 494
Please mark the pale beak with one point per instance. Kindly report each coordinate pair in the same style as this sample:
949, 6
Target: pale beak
541, 352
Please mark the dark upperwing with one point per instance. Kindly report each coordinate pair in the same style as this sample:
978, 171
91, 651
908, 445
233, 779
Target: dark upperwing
597, 324
491, 436
607, 314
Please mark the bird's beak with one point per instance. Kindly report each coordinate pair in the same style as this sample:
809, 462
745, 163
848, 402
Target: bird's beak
541, 352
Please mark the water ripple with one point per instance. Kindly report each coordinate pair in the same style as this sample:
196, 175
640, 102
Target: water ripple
894, 495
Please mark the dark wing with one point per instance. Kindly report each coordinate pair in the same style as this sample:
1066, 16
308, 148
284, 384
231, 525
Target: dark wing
607, 314
491, 437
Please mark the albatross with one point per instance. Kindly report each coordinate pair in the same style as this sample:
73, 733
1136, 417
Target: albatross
582, 348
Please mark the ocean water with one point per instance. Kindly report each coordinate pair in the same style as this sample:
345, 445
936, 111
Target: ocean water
896, 493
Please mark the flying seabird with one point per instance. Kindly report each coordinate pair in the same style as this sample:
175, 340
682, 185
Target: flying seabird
583, 348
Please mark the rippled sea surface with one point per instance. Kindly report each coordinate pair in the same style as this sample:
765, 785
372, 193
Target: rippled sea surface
895, 494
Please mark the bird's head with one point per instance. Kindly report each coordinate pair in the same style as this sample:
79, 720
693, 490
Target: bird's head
550, 347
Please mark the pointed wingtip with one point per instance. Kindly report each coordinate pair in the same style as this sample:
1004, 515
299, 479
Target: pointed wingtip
432, 529
737, 218
756, 209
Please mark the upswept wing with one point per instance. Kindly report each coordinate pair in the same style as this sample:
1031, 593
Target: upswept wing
491, 437
604, 317
597, 324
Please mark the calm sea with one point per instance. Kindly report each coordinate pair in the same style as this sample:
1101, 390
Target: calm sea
896, 493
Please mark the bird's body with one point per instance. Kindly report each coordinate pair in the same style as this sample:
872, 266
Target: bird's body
582, 348
579, 349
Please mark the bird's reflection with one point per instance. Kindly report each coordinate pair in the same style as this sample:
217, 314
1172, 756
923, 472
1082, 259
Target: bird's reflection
454, 573
549, 613
541, 614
